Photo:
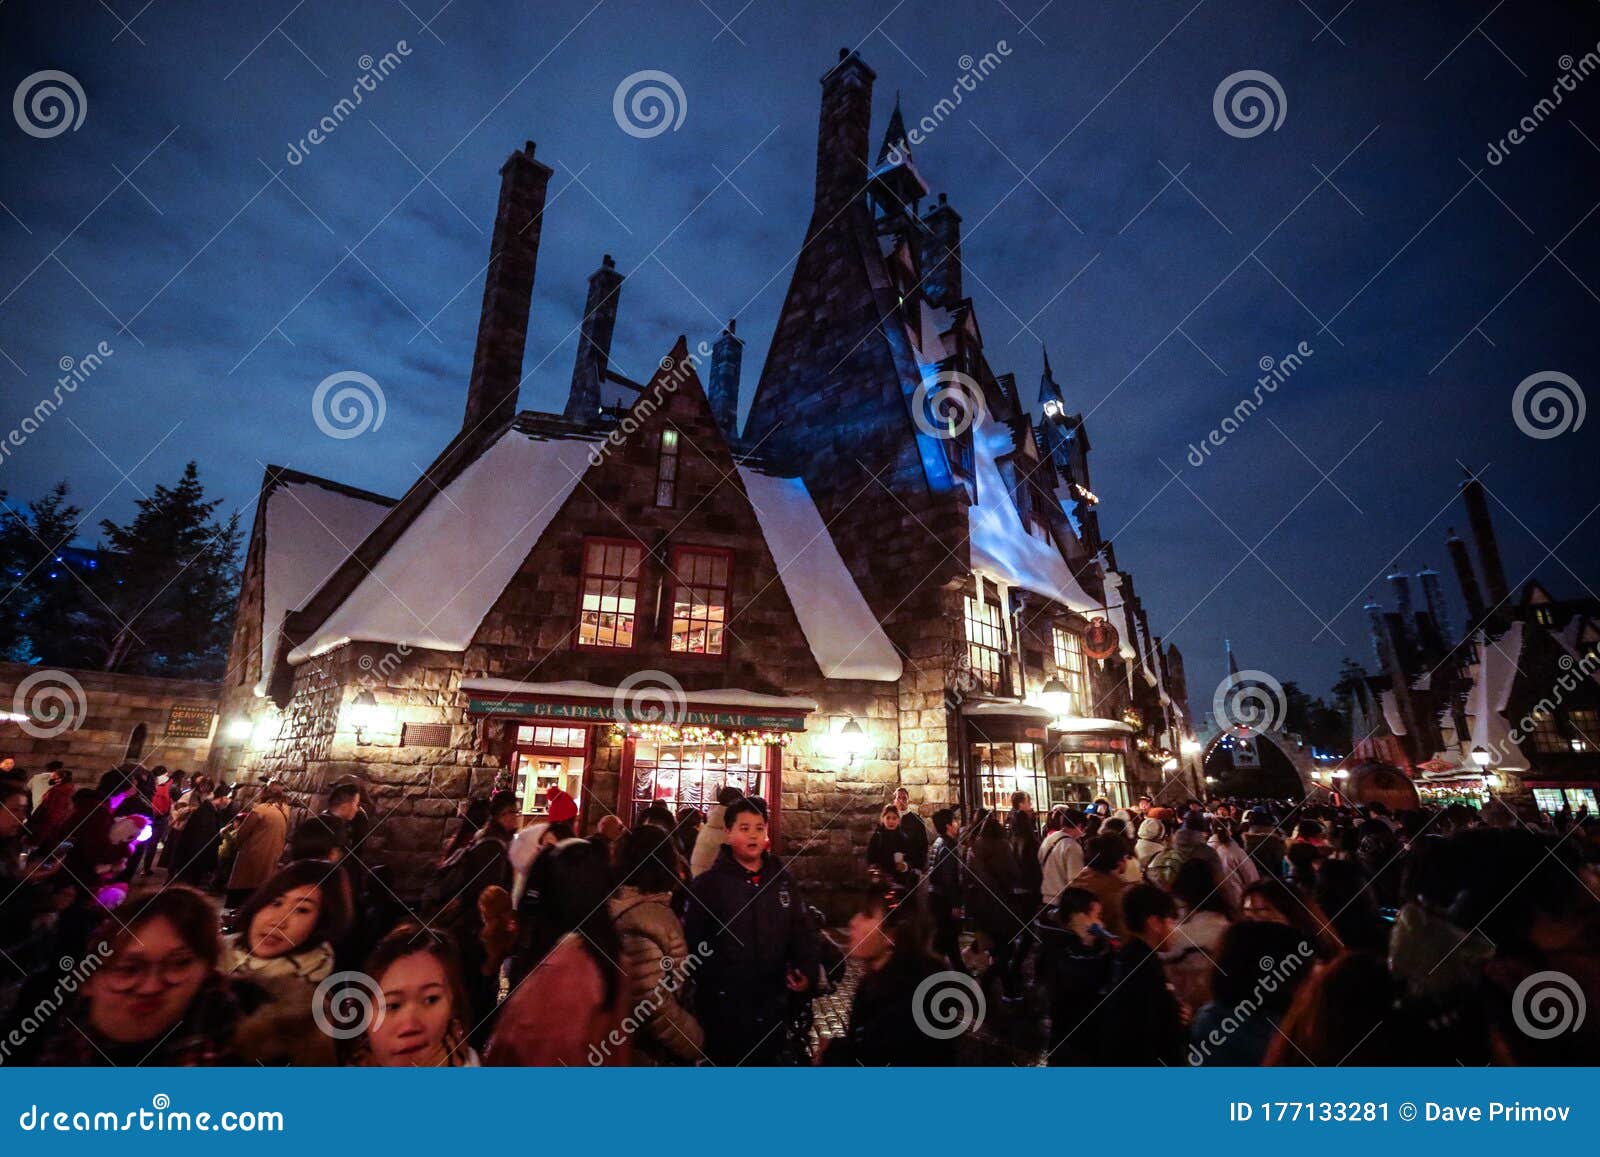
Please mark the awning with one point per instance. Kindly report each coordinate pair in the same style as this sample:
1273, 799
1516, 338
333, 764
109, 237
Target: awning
578, 701
1075, 724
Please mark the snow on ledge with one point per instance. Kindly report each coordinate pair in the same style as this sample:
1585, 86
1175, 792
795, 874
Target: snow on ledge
583, 689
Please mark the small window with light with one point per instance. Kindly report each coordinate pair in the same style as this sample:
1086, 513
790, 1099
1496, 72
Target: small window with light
667, 470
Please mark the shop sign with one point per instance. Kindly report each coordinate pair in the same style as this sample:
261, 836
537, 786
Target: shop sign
648, 713
190, 721
1070, 741
1099, 639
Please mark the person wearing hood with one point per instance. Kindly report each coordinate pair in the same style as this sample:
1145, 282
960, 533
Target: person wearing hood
761, 948
1191, 952
713, 833
1152, 841
656, 963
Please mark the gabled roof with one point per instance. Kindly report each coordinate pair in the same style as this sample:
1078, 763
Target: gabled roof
309, 527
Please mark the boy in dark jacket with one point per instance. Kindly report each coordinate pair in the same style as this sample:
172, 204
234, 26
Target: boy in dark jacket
746, 920
1075, 962
1144, 1023
947, 883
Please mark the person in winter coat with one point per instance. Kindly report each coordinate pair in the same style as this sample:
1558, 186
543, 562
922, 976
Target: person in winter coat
713, 833
1152, 841
571, 1009
912, 830
655, 960
1259, 967
286, 935
888, 853
1190, 955
1239, 871
762, 947
49, 820
259, 842
1102, 877
993, 881
890, 1012
947, 886
1188, 843
194, 851
483, 863
1263, 844
1060, 853
1075, 962
1144, 1023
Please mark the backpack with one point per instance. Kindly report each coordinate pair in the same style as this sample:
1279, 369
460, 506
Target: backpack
441, 898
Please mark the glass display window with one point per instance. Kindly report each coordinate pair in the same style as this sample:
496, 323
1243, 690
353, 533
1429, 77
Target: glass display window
692, 774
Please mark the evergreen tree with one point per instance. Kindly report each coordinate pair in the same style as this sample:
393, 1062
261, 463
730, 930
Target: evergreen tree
39, 593
166, 595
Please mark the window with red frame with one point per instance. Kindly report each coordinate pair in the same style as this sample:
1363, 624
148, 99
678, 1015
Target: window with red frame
609, 597
699, 599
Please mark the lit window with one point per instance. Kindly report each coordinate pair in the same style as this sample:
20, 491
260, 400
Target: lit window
610, 594
667, 470
1546, 736
1585, 725
1543, 617
1072, 670
986, 646
699, 600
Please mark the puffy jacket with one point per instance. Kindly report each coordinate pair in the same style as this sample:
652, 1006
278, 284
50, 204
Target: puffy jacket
708, 841
655, 972
947, 875
1061, 857
754, 929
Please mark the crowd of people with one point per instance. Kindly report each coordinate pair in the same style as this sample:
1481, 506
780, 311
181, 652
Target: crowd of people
150, 920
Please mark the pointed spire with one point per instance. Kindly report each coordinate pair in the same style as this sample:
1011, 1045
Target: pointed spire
894, 138
1233, 664
1049, 391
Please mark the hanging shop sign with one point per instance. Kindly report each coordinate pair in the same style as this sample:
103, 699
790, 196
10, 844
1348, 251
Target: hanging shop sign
1099, 639
733, 720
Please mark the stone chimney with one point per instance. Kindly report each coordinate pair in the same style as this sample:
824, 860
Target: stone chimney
941, 255
1470, 593
1433, 593
507, 293
1400, 583
594, 341
1494, 575
723, 390
842, 132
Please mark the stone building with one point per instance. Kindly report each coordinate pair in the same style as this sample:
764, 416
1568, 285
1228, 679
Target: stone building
94, 720
892, 575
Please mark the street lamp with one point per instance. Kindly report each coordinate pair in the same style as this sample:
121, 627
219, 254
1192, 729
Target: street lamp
1481, 757
363, 714
1055, 697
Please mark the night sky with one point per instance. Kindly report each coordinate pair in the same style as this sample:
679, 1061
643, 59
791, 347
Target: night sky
1107, 215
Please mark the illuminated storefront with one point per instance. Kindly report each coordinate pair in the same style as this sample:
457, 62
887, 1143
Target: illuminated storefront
1013, 747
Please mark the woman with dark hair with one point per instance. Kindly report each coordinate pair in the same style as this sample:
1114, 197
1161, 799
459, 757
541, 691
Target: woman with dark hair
655, 960
890, 935
418, 980
287, 930
155, 997
1271, 900
259, 843
474, 818
1259, 967
1075, 962
569, 1009
990, 886
1190, 953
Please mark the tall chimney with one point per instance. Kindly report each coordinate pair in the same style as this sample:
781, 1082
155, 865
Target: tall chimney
1400, 583
842, 132
1433, 593
941, 257
1468, 580
507, 292
1494, 575
594, 341
723, 391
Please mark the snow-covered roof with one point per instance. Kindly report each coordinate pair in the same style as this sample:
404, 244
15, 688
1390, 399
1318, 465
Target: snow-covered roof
435, 584
582, 689
844, 634
1001, 546
980, 708
310, 530
1391, 712
1491, 692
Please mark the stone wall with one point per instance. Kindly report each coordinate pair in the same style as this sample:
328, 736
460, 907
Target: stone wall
102, 710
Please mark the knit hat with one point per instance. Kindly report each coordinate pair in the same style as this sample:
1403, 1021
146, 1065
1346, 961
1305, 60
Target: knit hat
560, 807
1151, 830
